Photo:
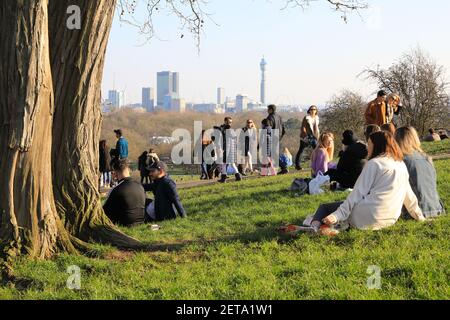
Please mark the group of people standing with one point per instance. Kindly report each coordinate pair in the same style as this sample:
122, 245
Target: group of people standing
227, 149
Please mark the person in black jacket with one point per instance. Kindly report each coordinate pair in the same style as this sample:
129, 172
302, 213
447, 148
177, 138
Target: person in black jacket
166, 204
125, 204
351, 162
229, 151
142, 167
104, 164
276, 122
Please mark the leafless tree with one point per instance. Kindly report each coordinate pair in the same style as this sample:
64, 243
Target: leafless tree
421, 83
343, 112
50, 119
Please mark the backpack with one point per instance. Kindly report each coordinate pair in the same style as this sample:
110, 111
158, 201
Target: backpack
300, 185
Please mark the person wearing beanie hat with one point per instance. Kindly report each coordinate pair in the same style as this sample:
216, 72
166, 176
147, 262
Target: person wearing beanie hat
351, 162
376, 110
166, 204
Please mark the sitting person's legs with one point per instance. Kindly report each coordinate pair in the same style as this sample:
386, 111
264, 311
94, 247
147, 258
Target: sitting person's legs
324, 211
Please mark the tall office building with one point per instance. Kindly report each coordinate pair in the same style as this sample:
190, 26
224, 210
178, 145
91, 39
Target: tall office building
242, 103
148, 99
116, 98
263, 65
220, 95
168, 84
176, 85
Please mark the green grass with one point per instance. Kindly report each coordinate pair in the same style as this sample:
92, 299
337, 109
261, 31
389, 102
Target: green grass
436, 148
228, 248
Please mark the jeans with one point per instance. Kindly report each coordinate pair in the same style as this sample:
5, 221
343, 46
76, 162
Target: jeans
204, 168
303, 145
325, 210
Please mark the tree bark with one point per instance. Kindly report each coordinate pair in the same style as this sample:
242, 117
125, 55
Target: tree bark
29, 222
77, 58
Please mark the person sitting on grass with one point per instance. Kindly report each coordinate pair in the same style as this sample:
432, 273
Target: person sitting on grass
125, 204
351, 162
285, 161
422, 174
378, 197
433, 136
389, 127
322, 156
166, 204
371, 128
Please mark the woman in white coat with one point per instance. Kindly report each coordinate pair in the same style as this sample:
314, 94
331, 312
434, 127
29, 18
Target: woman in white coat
379, 194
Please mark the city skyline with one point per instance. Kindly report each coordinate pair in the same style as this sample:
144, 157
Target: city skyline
313, 54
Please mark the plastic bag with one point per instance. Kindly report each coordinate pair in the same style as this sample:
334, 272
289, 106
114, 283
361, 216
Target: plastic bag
315, 185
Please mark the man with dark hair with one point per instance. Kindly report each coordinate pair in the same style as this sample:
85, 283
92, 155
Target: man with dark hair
376, 110
433, 136
166, 204
121, 145
125, 204
276, 122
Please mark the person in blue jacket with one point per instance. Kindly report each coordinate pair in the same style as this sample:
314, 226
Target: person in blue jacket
121, 145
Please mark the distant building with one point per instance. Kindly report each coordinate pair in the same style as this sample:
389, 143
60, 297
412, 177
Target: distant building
167, 102
242, 103
263, 65
220, 96
178, 105
168, 83
208, 108
148, 99
116, 98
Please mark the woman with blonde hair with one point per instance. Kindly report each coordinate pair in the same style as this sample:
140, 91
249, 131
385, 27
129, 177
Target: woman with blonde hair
422, 174
322, 156
393, 107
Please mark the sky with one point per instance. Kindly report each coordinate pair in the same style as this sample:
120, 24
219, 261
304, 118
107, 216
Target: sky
312, 54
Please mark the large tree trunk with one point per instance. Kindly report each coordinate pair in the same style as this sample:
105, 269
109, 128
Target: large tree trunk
29, 221
77, 58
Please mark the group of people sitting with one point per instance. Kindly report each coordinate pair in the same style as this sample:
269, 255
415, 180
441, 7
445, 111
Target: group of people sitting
390, 175
127, 203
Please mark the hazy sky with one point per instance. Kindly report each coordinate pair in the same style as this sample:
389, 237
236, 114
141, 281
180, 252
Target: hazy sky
311, 54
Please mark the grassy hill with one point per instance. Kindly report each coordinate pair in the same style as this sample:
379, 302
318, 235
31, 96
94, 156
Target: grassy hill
228, 248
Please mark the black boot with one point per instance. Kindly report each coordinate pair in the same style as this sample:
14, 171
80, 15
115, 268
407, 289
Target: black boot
238, 177
223, 178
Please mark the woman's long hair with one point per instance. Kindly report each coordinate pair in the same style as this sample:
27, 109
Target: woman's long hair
385, 145
321, 144
409, 141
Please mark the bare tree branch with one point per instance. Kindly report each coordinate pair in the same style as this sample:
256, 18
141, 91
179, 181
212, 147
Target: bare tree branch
192, 14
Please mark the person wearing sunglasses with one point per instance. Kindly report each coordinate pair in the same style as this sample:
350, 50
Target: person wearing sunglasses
309, 134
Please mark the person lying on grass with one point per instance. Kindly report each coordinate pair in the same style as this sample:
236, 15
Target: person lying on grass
422, 174
379, 194
125, 204
167, 203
